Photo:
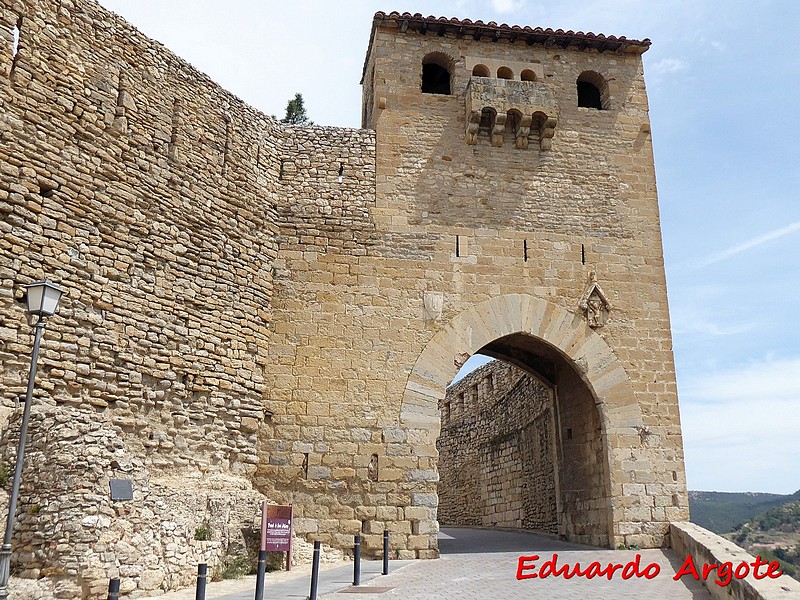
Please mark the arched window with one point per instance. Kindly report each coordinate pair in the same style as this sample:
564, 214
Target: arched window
527, 75
480, 71
592, 90
505, 73
436, 73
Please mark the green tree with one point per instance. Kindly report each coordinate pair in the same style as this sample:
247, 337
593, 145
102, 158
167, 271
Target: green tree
296, 112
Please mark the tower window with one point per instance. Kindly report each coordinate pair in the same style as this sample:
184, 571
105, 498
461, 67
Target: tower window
589, 95
436, 70
505, 73
528, 75
480, 71
435, 79
592, 91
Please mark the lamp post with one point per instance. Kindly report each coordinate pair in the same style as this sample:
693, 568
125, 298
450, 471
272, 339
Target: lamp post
43, 298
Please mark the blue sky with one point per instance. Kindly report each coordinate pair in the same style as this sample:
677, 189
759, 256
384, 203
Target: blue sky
723, 80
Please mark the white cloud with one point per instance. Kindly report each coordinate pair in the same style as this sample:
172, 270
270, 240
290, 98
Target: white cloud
666, 66
775, 379
698, 320
749, 244
740, 428
507, 6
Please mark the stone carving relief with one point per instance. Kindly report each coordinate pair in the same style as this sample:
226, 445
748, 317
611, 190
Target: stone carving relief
594, 303
432, 303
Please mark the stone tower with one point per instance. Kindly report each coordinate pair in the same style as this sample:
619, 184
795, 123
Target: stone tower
516, 185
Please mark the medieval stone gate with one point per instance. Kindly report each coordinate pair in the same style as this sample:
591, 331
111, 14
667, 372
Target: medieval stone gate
257, 306
584, 392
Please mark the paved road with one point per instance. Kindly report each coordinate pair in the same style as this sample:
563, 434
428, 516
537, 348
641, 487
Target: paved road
479, 564
482, 565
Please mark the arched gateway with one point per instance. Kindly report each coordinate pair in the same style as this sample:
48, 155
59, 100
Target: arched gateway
563, 351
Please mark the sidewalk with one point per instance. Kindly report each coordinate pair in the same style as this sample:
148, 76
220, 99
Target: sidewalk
293, 584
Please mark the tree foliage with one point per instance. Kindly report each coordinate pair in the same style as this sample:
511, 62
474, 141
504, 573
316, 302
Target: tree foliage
296, 112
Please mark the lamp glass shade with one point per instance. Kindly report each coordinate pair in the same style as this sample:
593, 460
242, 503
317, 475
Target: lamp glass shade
43, 298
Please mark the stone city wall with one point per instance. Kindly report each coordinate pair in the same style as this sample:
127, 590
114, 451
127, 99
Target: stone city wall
150, 194
496, 456
70, 531
130, 178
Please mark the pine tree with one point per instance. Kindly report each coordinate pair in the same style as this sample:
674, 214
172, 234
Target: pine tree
296, 112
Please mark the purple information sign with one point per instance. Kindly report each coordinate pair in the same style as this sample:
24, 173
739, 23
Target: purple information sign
279, 534
279, 528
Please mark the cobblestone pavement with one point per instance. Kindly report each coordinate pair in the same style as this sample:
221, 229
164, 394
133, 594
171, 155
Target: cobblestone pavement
482, 565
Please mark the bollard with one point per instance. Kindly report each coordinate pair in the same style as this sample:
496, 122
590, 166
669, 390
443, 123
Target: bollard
315, 572
113, 589
385, 551
202, 572
356, 560
262, 569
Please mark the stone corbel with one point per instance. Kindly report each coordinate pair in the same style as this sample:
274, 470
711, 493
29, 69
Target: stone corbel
522, 132
547, 129
473, 124
498, 128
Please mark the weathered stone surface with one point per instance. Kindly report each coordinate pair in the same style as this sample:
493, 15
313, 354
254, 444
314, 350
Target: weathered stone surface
496, 455
284, 306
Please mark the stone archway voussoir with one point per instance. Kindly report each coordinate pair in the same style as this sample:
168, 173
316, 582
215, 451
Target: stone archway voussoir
435, 365
532, 310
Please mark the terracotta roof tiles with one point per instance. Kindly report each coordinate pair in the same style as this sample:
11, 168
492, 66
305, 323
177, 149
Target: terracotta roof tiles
493, 32
417, 21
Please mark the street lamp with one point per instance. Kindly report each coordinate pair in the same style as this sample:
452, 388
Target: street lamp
43, 297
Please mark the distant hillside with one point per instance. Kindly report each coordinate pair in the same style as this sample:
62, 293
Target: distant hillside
721, 512
774, 535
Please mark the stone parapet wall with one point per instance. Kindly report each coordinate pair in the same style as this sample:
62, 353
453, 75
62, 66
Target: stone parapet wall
705, 547
496, 456
326, 189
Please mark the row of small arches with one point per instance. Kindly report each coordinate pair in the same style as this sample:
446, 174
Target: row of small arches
503, 73
592, 88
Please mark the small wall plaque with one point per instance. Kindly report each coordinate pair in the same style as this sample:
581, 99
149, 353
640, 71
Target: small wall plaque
121, 489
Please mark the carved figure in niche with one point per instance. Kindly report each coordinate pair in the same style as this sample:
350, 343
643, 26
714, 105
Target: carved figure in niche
594, 303
372, 469
594, 312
